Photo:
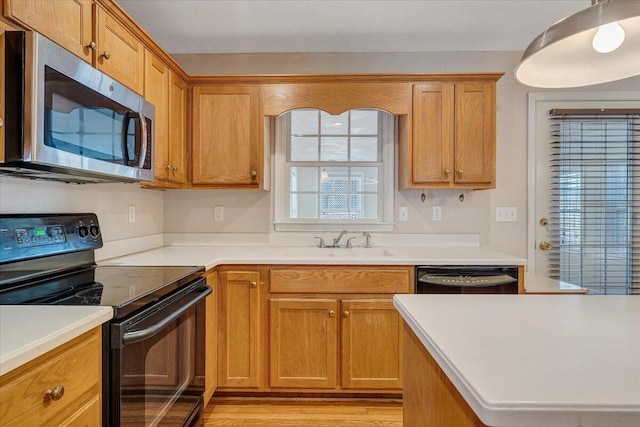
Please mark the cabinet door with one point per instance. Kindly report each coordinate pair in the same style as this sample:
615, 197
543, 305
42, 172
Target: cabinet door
227, 136
211, 334
120, 54
371, 345
433, 134
156, 91
177, 129
239, 351
475, 145
303, 341
66, 22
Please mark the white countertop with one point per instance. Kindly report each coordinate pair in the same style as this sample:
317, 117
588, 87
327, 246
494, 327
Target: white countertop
534, 283
211, 256
27, 332
539, 360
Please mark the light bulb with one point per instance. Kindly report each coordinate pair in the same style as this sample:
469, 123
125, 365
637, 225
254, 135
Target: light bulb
608, 38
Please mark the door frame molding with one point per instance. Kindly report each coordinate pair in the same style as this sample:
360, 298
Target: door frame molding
534, 101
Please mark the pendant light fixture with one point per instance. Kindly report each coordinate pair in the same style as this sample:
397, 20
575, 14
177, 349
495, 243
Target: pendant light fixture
596, 45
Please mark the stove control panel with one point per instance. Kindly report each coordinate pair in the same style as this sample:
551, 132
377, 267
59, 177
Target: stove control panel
31, 236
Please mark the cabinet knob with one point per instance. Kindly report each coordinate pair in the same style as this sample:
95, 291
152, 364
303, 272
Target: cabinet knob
253, 283
106, 55
93, 46
346, 313
332, 313
254, 174
447, 172
54, 394
460, 172
1, 122
168, 167
175, 169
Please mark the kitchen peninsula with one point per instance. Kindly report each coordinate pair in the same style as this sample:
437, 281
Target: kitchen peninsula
512, 361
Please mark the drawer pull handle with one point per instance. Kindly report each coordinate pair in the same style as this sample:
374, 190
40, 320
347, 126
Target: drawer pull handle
253, 283
55, 394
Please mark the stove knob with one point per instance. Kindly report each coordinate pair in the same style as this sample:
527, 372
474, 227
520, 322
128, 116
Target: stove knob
83, 231
94, 230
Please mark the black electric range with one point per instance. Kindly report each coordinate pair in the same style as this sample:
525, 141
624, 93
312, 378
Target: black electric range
158, 314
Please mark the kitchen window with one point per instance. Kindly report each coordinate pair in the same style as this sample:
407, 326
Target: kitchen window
334, 171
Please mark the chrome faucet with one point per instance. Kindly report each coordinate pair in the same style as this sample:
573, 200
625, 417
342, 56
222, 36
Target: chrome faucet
336, 241
368, 241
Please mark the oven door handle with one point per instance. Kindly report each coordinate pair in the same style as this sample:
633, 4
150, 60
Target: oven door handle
148, 331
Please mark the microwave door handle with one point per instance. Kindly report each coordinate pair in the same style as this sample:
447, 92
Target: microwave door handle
143, 147
125, 133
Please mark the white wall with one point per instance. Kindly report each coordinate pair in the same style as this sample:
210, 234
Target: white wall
109, 201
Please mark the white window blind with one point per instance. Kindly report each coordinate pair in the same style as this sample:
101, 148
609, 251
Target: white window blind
594, 221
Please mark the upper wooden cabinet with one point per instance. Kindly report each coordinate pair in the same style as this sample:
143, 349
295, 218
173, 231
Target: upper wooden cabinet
228, 144
73, 24
67, 22
119, 53
168, 93
452, 140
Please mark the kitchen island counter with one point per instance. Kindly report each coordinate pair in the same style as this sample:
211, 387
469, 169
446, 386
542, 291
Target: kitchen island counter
539, 360
28, 331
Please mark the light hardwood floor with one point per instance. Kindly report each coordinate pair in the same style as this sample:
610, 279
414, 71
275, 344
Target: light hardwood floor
276, 413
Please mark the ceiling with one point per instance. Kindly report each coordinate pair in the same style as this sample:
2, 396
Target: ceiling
241, 26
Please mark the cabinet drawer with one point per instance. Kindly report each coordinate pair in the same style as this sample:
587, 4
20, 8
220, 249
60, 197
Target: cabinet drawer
76, 366
341, 280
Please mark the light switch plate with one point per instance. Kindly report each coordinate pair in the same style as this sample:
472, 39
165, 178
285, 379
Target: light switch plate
436, 214
218, 213
506, 214
132, 214
403, 213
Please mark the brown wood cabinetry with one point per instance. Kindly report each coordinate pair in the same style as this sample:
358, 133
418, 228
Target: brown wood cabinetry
211, 338
227, 150
240, 348
87, 30
303, 337
453, 138
28, 393
168, 93
335, 328
371, 346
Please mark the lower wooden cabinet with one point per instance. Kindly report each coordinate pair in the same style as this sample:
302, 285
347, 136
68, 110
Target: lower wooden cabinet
371, 344
313, 342
303, 343
59, 388
239, 321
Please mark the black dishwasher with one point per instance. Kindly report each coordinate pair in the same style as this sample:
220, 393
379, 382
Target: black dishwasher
465, 279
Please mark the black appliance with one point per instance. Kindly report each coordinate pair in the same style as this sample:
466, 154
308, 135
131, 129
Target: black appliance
153, 349
459, 279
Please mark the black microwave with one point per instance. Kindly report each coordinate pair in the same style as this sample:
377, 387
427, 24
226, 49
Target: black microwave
67, 121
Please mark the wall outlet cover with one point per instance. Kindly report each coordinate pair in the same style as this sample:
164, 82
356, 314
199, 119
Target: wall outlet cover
403, 213
218, 213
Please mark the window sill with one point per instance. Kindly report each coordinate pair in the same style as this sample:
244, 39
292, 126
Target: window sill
302, 226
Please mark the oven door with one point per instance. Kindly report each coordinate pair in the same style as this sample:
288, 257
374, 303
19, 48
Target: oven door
157, 363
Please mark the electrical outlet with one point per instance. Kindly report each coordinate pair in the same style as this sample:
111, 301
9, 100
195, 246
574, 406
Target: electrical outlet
508, 214
436, 214
403, 212
132, 214
218, 213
